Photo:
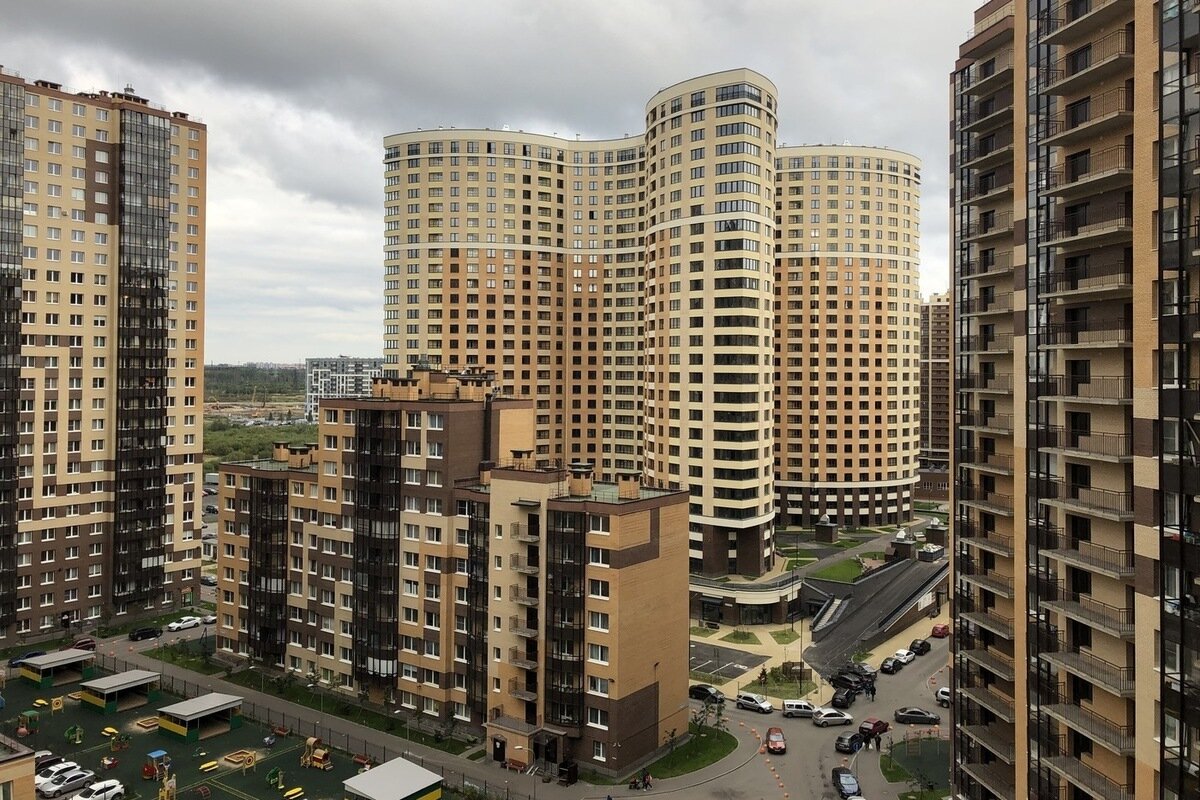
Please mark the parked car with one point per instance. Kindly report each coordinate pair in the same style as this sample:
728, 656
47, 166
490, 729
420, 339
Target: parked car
15, 661
183, 623
208, 619
860, 668
82, 643
920, 646
43, 759
873, 726
904, 656
147, 632
754, 702
775, 741
943, 696
912, 715
824, 717
210, 509
891, 666
51, 772
843, 698
940, 631
798, 708
849, 742
208, 580
845, 782
847, 680
111, 789
67, 782
709, 694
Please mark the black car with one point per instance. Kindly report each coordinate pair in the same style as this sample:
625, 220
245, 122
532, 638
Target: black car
138, 634
891, 666
208, 580
849, 742
864, 671
843, 698
920, 646
708, 694
15, 661
845, 782
43, 759
847, 680
916, 716
210, 509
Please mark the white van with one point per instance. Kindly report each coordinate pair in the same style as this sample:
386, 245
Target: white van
798, 708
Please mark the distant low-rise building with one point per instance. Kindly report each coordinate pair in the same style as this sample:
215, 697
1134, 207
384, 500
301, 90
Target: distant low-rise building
343, 376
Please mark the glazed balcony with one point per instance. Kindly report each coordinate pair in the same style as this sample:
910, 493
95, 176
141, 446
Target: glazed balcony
1093, 174
988, 227
986, 266
998, 737
1074, 19
1093, 334
987, 422
992, 501
1113, 620
975, 536
1111, 677
1091, 228
1115, 736
994, 777
986, 304
985, 382
1093, 281
1097, 389
523, 565
1089, 500
1114, 448
1099, 115
1107, 57
1056, 756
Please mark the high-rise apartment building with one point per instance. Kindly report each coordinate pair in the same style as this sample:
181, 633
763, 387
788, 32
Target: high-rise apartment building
102, 220
630, 286
1075, 268
934, 476
342, 376
847, 410
420, 552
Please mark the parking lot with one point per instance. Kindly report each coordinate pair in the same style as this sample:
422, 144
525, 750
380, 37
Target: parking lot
725, 662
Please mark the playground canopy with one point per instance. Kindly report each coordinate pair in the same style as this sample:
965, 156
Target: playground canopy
59, 667
201, 717
397, 779
120, 692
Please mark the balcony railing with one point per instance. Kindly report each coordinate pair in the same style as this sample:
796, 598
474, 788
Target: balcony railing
991, 343
1088, 277
1000, 705
982, 149
519, 626
1116, 220
984, 458
1104, 445
998, 737
1103, 388
1113, 677
991, 621
1078, 14
987, 304
1001, 180
993, 264
1084, 608
1057, 757
985, 381
1058, 545
523, 534
1088, 499
522, 564
521, 658
1080, 119
1116, 737
1089, 169
996, 778
519, 595
1093, 334
986, 419
994, 225
966, 492
992, 660
991, 541
1102, 53
521, 690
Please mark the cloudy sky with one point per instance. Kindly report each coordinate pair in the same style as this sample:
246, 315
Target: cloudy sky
298, 95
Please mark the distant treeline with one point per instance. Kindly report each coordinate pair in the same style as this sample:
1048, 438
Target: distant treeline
246, 382
230, 441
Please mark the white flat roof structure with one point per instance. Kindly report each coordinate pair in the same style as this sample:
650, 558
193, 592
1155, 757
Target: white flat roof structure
201, 706
122, 680
397, 779
59, 658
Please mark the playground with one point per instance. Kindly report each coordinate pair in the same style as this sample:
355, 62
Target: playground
251, 762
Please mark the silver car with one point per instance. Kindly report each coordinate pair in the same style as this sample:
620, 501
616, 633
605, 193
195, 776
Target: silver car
67, 782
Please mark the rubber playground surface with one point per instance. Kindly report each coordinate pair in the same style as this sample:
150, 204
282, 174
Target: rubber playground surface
229, 780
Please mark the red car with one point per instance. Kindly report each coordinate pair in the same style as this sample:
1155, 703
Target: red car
940, 631
775, 741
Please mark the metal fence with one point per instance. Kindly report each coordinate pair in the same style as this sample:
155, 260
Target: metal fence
379, 747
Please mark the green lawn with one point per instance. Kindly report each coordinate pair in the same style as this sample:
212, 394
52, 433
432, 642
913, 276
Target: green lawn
785, 636
193, 654
892, 772
741, 637
782, 688
804, 561
702, 632
845, 571
707, 746
860, 656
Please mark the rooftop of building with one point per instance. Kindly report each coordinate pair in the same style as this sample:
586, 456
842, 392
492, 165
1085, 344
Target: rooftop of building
629, 489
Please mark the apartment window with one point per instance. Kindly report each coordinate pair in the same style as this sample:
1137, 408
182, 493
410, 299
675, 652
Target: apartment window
598, 653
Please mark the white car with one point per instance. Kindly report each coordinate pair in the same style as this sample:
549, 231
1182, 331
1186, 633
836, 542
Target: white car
103, 790
209, 619
943, 697
49, 773
183, 623
904, 656
824, 717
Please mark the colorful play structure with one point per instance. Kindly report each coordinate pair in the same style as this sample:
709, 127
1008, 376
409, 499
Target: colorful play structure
275, 778
167, 790
157, 766
315, 755
74, 734
27, 722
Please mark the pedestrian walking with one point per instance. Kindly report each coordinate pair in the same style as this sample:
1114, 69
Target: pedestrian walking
879, 741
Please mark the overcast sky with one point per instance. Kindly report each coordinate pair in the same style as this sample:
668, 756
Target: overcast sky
298, 95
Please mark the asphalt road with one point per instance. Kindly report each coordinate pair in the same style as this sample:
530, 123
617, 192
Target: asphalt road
727, 662
804, 772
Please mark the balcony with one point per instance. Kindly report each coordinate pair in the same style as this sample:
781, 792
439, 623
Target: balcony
988, 226
992, 660
987, 500
1112, 620
1057, 757
1090, 228
522, 691
998, 704
984, 77
1103, 731
986, 304
981, 266
1072, 19
1001, 585
523, 534
980, 190
986, 461
997, 737
1102, 503
1112, 277
994, 777
986, 421
980, 344
1090, 119
520, 596
521, 658
1103, 58
984, 155
1115, 679
989, 620
1116, 448
1110, 561
521, 628
984, 539
1096, 389
1091, 174
985, 382
522, 564
1082, 335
